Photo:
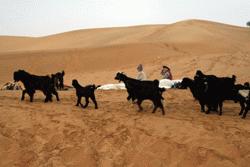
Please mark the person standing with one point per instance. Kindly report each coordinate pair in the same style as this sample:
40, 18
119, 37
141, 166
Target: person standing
140, 75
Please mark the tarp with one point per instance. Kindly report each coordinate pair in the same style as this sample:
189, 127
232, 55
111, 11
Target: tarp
244, 93
164, 83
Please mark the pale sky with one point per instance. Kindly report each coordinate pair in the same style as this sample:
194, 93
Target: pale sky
44, 17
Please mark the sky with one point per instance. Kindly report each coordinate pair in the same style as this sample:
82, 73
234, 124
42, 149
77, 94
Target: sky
45, 17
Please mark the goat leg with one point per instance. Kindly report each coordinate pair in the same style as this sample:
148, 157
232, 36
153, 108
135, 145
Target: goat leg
220, 106
202, 108
87, 102
155, 106
208, 110
242, 104
46, 99
79, 98
245, 113
129, 97
162, 108
56, 94
23, 94
31, 94
94, 101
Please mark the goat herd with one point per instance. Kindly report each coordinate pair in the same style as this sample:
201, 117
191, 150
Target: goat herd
209, 90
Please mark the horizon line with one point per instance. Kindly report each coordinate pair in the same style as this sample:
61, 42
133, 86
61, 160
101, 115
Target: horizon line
122, 26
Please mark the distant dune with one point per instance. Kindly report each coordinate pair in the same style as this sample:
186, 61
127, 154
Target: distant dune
61, 134
184, 46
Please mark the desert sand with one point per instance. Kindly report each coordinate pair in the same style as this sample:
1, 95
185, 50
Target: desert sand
116, 134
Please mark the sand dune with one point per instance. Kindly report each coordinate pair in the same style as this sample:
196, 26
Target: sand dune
184, 46
60, 134
191, 31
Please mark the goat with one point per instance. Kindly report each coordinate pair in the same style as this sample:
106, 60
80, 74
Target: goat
142, 90
33, 83
86, 91
220, 89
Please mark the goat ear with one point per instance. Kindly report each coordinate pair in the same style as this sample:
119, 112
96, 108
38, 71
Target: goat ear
63, 72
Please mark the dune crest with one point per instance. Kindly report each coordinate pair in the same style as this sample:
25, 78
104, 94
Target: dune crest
61, 134
185, 46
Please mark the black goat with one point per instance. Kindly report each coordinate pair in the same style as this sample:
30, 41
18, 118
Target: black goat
86, 91
220, 89
33, 83
120, 76
247, 106
198, 91
58, 79
244, 91
142, 90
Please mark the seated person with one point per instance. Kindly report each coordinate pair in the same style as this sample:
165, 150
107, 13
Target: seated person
166, 73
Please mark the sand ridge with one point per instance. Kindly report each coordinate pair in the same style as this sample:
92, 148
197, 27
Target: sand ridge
184, 46
60, 134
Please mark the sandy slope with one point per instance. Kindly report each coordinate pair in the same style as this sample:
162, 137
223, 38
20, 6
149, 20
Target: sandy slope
60, 134
184, 46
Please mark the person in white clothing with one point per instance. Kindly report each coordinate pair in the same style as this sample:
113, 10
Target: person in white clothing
141, 75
